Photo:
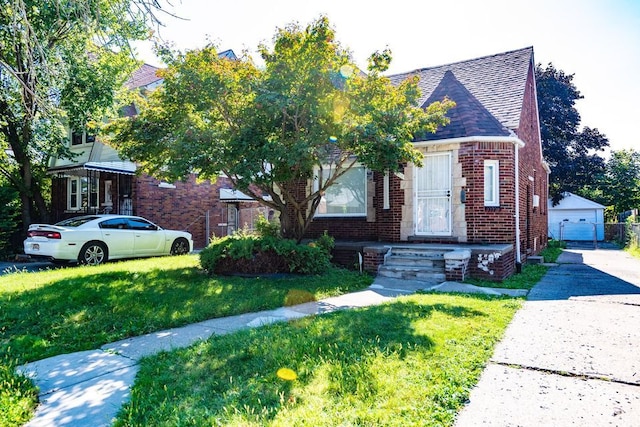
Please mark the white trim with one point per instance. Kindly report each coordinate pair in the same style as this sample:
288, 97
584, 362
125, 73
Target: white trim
416, 218
510, 139
494, 164
517, 213
385, 191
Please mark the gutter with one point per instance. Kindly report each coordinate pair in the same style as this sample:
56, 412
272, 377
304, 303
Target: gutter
510, 139
517, 213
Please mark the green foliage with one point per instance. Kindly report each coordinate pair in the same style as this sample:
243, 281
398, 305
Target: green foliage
270, 128
244, 253
527, 279
18, 396
82, 308
61, 64
572, 154
622, 183
326, 242
9, 218
411, 362
266, 228
556, 244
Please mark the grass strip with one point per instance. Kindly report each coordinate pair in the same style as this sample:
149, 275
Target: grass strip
60, 311
409, 362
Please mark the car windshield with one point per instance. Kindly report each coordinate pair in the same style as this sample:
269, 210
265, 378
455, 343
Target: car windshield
76, 222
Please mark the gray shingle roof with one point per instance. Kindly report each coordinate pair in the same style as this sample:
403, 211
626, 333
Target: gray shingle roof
143, 76
498, 82
467, 118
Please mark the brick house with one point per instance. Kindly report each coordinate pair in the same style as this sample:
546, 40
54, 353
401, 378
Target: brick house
479, 187
482, 179
97, 180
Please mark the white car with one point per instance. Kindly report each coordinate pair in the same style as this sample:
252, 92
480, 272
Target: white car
94, 239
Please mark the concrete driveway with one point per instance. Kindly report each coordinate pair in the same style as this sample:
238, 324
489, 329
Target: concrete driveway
571, 355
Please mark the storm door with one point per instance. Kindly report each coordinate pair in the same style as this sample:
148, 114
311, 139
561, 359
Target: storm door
433, 196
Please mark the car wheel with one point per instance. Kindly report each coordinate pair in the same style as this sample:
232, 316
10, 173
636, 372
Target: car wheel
180, 247
93, 253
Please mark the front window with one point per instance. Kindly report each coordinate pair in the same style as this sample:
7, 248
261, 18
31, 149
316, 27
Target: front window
491, 183
347, 196
83, 193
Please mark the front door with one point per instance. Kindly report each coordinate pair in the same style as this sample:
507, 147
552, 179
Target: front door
433, 196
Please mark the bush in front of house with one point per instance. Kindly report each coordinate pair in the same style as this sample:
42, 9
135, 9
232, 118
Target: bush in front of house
266, 253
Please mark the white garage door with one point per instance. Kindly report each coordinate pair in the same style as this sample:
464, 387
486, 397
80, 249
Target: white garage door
575, 225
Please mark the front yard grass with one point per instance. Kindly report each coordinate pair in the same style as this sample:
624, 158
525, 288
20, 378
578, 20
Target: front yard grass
409, 362
526, 279
80, 308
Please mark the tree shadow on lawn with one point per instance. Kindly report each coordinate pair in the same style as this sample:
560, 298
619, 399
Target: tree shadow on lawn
84, 311
238, 373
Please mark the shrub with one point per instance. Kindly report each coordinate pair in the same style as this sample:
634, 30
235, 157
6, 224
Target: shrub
250, 254
326, 242
266, 228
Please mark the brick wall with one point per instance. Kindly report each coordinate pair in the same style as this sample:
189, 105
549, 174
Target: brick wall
385, 227
533, 177
488, 224
184, 207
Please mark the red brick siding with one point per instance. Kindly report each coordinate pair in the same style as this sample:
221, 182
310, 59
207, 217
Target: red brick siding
533, 221
497, 270
489, 224
184, 207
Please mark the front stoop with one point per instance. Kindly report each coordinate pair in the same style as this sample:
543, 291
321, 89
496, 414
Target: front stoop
424, 264
414, 263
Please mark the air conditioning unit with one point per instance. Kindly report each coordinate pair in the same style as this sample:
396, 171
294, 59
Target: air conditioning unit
536, 201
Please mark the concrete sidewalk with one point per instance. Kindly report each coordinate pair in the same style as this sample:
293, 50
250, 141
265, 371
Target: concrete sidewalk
88, 388
571, 354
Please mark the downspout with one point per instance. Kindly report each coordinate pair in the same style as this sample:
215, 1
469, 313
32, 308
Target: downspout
517, 213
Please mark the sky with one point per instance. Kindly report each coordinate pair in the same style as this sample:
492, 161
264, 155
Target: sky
596, 40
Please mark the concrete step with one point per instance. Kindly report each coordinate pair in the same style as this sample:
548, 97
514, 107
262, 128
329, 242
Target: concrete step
425, 274
415, 261
417, 252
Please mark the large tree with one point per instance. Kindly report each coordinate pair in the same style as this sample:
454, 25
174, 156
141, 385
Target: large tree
271, 129
621, 186
61, 62
572, 153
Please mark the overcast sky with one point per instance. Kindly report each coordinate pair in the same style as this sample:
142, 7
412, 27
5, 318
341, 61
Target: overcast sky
597, 40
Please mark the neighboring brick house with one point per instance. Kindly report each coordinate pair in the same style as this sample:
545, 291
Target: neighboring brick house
97, 180
483, 176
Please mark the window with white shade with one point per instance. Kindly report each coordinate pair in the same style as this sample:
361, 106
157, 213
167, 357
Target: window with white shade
347, 196
491, 183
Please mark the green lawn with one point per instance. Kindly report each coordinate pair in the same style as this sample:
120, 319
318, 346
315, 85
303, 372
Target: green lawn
411, 362
79, 308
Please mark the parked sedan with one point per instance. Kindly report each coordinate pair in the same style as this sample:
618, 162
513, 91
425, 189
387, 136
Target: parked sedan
94, 239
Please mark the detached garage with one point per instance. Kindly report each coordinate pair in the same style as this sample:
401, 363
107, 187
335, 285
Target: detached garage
576, 218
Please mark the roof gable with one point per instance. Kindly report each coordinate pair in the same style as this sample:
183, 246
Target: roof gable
573, 201
143, 76
468, 118
498, 82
